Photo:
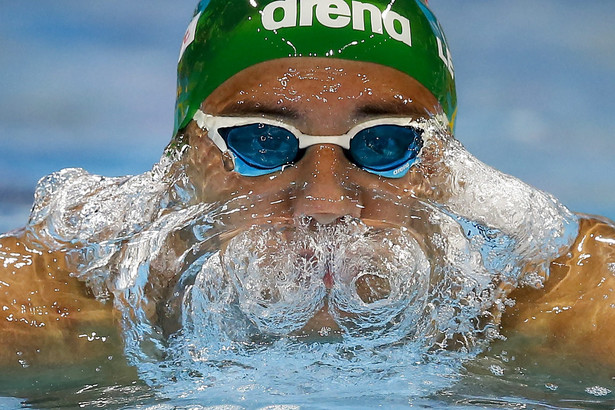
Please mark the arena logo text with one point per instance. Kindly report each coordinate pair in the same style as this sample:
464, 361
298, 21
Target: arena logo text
336, 14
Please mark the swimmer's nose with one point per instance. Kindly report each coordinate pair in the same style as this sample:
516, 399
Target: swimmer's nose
325, 192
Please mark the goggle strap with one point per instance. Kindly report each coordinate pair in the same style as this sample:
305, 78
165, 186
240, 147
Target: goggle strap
208, 122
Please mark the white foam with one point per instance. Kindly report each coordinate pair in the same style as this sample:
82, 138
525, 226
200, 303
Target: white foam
539, 224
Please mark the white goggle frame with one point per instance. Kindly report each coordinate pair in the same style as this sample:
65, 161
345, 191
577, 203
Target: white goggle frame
212, 124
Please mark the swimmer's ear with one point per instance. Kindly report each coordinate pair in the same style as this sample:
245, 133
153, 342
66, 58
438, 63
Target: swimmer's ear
227, 160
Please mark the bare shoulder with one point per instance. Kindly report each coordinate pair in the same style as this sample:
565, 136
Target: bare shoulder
575, 311
46, 315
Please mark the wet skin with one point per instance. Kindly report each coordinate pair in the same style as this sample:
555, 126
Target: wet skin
319, 97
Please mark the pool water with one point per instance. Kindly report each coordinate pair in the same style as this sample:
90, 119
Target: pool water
496, 379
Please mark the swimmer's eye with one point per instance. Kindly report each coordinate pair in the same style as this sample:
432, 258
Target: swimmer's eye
265, 146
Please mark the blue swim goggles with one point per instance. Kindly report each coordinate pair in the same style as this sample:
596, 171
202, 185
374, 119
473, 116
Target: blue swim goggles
260, 146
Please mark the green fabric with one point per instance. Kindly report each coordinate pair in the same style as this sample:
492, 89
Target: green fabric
230, 36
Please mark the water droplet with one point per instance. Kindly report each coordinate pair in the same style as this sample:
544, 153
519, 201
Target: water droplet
496, 370
597, 391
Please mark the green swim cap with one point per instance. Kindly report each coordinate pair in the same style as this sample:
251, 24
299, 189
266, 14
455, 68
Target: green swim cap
227, 36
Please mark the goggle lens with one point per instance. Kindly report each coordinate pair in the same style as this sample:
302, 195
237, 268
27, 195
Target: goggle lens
262, 146
385, 147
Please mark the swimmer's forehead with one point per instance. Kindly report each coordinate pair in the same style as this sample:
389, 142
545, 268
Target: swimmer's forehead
298, 87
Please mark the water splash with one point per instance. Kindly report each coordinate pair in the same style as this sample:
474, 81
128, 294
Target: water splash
222, 308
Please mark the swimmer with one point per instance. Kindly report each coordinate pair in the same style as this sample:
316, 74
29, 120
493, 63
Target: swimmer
312, 183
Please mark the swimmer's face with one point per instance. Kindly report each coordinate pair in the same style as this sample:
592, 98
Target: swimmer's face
319, 243
318, 97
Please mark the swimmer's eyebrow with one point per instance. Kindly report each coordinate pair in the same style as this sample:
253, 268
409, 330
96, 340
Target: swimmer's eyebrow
387, 108
252, 108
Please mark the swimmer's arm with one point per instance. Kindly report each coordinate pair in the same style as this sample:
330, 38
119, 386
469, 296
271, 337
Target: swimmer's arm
574, 315
47, 316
